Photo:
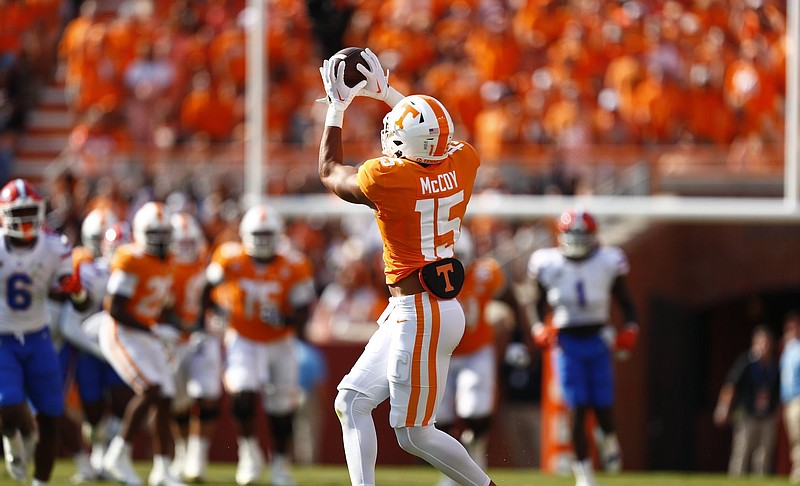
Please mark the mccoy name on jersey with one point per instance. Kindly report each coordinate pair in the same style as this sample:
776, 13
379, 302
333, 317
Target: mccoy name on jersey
437, 194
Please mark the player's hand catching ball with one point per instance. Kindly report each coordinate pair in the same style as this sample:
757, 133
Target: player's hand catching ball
339, 94
377, 86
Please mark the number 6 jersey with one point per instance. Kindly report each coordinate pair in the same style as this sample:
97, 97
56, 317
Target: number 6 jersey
27, 275
420, 207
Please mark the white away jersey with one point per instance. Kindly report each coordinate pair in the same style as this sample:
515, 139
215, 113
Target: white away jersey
578, 291
26, 277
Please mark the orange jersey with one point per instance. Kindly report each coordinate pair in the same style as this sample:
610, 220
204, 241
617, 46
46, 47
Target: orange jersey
483, 281
188, 287
420, 207
145, 279
81, 254
253, 289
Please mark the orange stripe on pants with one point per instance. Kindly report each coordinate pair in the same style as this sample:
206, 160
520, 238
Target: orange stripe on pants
430, 406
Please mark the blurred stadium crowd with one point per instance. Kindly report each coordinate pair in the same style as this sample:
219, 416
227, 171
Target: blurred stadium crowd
147, 77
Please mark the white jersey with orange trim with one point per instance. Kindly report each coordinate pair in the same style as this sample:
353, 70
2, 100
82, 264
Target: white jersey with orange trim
144, 279
28, 275
578, 291
420, 207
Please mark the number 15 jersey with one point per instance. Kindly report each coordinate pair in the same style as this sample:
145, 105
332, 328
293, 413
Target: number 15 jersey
419, 207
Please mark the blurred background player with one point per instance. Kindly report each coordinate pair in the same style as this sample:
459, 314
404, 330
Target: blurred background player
137, 343
35, 264
422, 173
198, 357
470, 392
103, 393
577, 280
270, 293
748, 400
72, 343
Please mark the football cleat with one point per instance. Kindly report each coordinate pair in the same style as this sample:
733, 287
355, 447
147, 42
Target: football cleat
281, 474
14, 452
118, 465
251, 461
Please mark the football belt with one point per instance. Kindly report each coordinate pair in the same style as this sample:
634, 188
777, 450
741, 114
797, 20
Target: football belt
443, 278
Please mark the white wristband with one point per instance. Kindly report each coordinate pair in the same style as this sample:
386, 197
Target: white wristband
393, 97
334, 117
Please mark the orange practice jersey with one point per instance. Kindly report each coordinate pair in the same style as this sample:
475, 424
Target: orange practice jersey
420, 207
254, 286
188, 286
482, 282
145, 279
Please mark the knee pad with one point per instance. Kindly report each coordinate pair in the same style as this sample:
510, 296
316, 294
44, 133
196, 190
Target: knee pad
349, 402
181, 418
412, 439
243, 408
207, 414
281, 425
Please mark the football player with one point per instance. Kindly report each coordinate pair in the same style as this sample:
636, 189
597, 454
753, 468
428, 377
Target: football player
100, 387
579, 280
69, 339
137, 342
419, 190
33, 265
469, 394
198, 358
270, 289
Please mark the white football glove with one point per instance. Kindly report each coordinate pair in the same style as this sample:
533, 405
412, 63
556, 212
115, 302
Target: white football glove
377, 86
166, 333
339, 94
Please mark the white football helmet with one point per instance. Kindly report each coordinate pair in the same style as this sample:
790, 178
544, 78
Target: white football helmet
577, 233
152, 229
188, 240
117, 234
94, 227
260, 230
23, 209
418, 128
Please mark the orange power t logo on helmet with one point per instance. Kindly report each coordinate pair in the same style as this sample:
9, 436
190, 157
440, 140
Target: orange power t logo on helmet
408, 109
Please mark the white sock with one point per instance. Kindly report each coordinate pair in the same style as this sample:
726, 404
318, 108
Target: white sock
117, 447
583, 469
160, 462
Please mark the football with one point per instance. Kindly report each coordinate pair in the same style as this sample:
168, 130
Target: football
351, 56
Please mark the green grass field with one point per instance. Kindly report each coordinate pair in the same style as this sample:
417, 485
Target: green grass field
222, 474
